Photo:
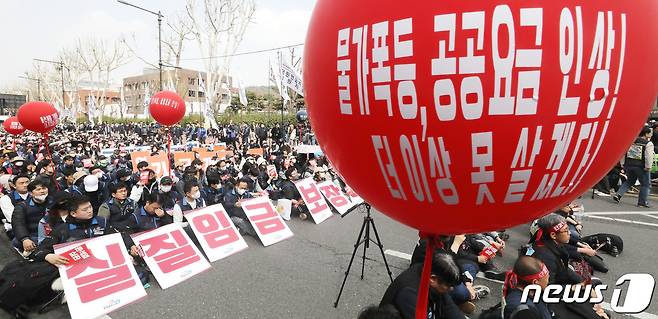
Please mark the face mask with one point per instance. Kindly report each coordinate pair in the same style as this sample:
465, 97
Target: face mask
41, 198
77, 169
198, 166
241, 191
196, 195
99, 175
166, 189
19, 164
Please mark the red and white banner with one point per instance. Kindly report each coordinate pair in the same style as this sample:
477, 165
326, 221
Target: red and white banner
335, 197
268, 224
170, 254
271, 171
101, 283
216, 232
313, 199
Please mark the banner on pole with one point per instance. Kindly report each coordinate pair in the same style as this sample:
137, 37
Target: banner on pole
215, 231
101, 283
313, 199
170, 254
268, 224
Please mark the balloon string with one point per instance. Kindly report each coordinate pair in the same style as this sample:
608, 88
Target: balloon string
169, 151
423, 290
45, 143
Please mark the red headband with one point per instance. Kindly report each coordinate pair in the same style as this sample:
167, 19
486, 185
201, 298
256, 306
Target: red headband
512, 279
558, 227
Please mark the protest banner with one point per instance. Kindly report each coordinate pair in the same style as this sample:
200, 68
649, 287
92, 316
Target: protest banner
139, 156
313, 199
170, 254
101, 283
206, 157
255, 151
269, 225
215, 231
159, 164
183, 158
199, 149
219, 147
335, 197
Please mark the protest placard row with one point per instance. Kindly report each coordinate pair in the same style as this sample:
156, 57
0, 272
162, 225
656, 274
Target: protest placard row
101, 277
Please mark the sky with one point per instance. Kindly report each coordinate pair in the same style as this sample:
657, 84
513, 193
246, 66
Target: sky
41, 28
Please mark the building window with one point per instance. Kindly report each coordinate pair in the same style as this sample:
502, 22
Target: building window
190, 93
191, 81
202, 94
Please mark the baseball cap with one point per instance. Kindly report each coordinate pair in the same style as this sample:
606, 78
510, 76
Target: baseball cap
78, 175
166, 180
91, 183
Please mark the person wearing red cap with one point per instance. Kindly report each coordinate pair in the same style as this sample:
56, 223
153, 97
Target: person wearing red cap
527, 271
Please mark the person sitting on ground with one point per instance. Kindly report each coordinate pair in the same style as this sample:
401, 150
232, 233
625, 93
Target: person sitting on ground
119, 209
17, 195
56, 214
549, 246
169, 195
403, 292
191, 201
527, 271
147, 217
26, 216
233, 203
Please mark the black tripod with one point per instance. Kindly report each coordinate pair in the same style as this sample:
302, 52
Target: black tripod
364, 238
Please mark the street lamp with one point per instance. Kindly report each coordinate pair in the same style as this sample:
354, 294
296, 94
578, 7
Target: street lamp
159, 33
61, 68
38, 85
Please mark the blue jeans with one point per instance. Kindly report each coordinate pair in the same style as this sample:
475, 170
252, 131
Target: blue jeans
460, 293
635, 173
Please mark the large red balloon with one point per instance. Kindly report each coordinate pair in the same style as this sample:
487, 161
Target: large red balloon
40, 117
465, 116
13, 126
167, 108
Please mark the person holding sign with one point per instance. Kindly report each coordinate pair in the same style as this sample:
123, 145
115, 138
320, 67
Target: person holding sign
290, 191
147, 217
80, 224
233, 203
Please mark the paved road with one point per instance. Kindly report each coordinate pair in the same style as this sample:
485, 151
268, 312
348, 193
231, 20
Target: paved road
300, 277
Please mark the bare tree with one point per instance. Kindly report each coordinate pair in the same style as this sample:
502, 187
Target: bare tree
96, 59
218, 27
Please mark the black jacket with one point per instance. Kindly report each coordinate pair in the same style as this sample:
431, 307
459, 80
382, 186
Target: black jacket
528, 310
25, 218
230, 199
70, 231
556, 259
403, 292
119, 215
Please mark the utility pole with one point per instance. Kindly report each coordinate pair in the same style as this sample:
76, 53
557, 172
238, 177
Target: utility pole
38, 85
159, 14
61, 69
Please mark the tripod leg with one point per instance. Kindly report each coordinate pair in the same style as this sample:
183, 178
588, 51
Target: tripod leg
366, 239
381, 249
356, 246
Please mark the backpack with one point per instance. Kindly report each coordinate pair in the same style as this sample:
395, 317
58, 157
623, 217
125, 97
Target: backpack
23, 282
608, 243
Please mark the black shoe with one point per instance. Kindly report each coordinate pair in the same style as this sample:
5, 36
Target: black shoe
617, 198
644, 205
495, 275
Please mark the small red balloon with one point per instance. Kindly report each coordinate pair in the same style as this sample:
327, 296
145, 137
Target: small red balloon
40, 117
13, 126
167, 108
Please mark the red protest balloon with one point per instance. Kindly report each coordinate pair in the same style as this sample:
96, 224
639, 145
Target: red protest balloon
12, 126
167, 108
465, 116
40, 117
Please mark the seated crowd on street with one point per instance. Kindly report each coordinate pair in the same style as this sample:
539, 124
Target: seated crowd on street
84, 185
